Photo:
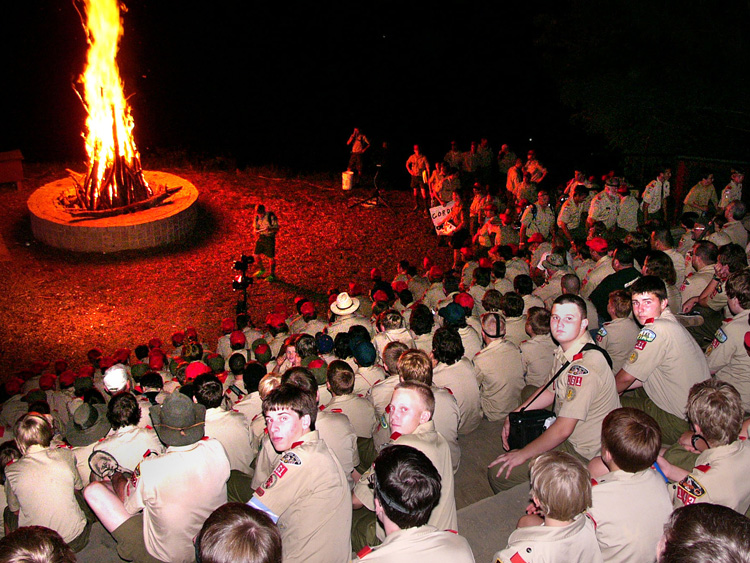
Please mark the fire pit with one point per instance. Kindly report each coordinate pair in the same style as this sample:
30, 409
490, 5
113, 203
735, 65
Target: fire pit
169, 222
115, 205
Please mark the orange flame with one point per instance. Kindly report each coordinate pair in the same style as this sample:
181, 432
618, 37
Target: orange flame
109, 126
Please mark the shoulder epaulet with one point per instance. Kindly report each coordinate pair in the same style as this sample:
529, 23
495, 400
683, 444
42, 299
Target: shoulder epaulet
448, 389
295, 444
322, 408
452, 531
336, 410
395, 435
594, 482
703, 468
649, 321
588, 515
10, 462
205, 438
149, 427
364, 551
65, 446
578, 356
102, 439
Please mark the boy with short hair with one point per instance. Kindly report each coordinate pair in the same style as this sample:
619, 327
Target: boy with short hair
719, 475
561, 493
630, 502
359, 411
618, 336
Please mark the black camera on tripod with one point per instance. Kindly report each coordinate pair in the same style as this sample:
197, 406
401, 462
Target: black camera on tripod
242, 281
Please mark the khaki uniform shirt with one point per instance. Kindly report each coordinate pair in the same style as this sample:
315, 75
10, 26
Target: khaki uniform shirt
471, 341
570, 214
345, 322
718, 299
500, 378
307, 492
358, 410
130, 445
366, 378
627, 217
515, 267
736, 231
719, 477
679, 263
668, 361
654, 194
604, 209
537, 357
382, 339
731, 192
434, 446
550, 290
727, 357
250, 406
461, 379
586, 391
583, 267
434, 295
530, 301
380, 394
695, 282
423, 542
629, 512
233, 432
601, 270
699, 197
535, 544
618, 337
542, 223
515, 329
503, 285
177, 491
41, 485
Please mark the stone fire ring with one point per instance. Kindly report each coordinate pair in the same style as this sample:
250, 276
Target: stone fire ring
172, 221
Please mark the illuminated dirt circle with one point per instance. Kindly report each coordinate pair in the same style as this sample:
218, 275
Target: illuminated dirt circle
169, 222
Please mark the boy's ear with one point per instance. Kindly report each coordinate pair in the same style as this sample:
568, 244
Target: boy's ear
536, 501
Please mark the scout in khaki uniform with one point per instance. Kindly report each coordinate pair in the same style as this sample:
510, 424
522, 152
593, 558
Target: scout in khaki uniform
666, 361
702, 196
41, 485
606, 205
555, 268
703, 259
583, 394
719, 475
359, 411
538, 352
538, 218
570, 217
155, 512
410, 417
558, 532
602, 268
630, 503
500, 369
307, 493
618, 336
727, 357
407, 487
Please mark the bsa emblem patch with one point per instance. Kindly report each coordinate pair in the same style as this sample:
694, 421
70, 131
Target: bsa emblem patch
570, 394
689, 489
280, 470
640, 344
578, 370
633, 357
647, 334
271, 481
575, 380
291, 458
721, 336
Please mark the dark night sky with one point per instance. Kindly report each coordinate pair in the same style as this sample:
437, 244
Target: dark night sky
285, 82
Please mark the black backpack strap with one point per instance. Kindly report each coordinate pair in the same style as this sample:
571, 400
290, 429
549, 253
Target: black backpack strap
602, 351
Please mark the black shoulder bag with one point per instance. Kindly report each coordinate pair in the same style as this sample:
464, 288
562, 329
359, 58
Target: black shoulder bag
527, 425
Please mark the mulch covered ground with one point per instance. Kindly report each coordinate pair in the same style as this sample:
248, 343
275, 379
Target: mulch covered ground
58, 304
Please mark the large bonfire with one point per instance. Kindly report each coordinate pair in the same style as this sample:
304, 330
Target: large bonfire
114, 178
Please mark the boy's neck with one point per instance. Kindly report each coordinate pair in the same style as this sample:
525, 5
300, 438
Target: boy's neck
553, 523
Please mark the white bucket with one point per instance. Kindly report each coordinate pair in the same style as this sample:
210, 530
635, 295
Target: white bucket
347, 180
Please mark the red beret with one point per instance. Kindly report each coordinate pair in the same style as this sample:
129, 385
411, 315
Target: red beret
67, 378
237, 337
121, 356
106, 362
464, 299
178, 338
380, 295
275, 320
47, 382
39, 366
597, 244
86, 371
156, 361
191, 333
399, 286
227, 325
195, 369
13, 385
427, 263
60, 366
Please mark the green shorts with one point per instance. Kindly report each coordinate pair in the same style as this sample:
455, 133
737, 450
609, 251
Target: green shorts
266, 246
131, 545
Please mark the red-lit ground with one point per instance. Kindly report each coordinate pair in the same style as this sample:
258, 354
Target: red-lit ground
58, 304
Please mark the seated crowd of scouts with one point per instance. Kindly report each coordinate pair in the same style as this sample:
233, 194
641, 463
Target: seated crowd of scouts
332, 437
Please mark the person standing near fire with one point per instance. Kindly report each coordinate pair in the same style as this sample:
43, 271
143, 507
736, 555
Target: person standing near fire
419, 170
359, 144
265, 225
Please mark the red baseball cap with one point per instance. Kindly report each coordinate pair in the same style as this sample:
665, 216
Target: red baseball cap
380, 295
399, 286
237, 337
195, 369
464, 299
307, 308
227, 325
597, 244
435, 272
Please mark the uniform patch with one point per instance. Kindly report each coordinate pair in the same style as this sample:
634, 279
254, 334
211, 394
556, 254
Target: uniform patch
721, 336
575, 380
633, 357
259, 492
570, 394
280, 470
647, 334
578, 370
640, 344
291, 458
689, 489
270, 482
601, 334
709, 350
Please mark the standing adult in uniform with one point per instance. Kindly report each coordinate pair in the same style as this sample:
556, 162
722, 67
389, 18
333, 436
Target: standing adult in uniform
418, 168
359, 144
265, 225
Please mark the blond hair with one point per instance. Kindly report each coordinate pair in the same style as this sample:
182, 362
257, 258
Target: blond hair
32, 429
561, 485
716, 407
268, 383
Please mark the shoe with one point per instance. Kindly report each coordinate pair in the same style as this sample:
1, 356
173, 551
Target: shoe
259, 273
271, 278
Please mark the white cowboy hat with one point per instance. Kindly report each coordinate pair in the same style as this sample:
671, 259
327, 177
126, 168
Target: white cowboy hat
344, 304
